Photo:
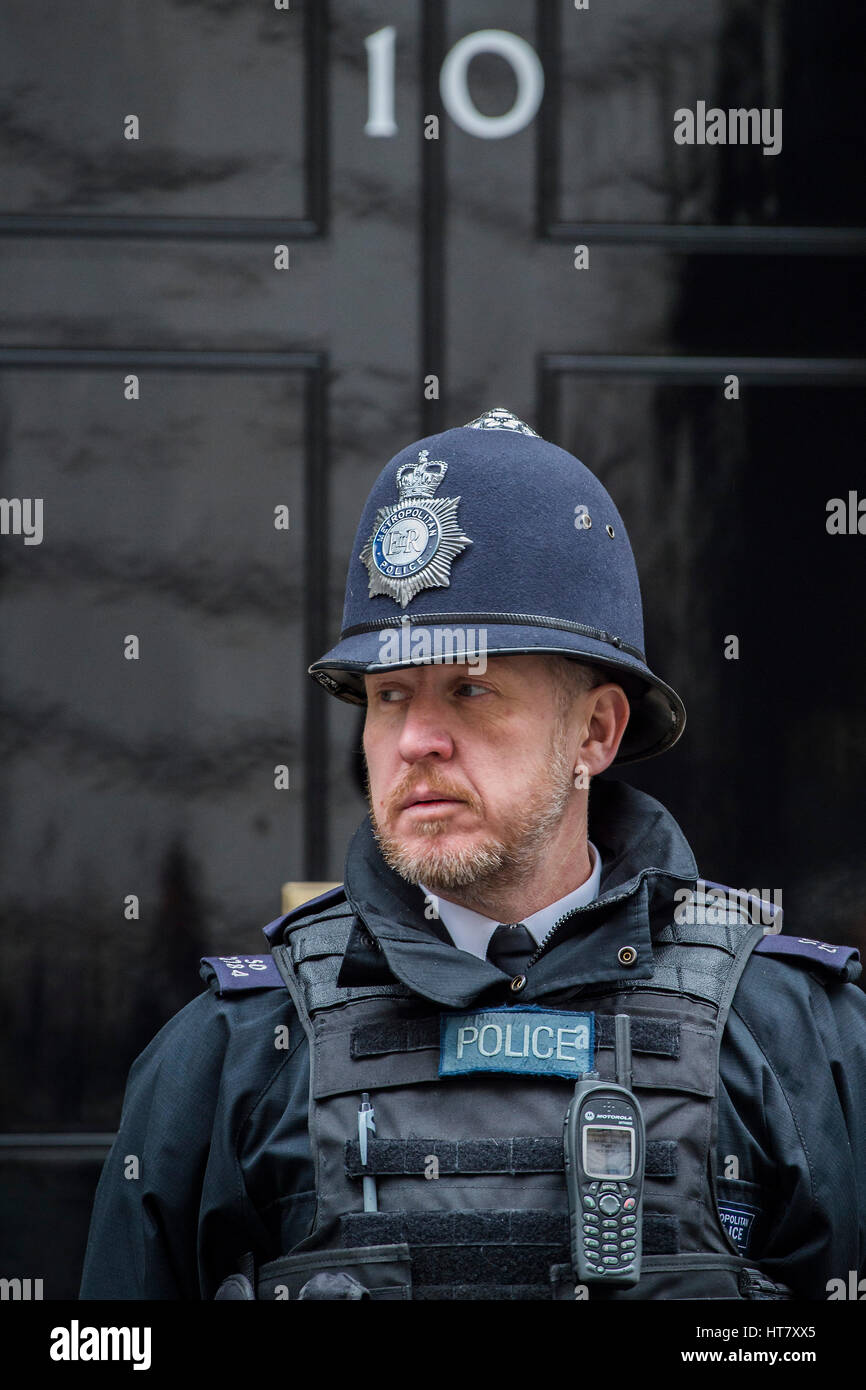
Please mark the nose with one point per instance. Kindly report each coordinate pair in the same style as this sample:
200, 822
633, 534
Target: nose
425, 731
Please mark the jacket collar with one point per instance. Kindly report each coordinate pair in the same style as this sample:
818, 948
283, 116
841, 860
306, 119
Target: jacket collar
645, 854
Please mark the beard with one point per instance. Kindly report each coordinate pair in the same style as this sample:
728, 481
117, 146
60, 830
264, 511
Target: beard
508, 859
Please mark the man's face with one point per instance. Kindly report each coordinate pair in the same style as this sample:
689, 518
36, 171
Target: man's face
467, 775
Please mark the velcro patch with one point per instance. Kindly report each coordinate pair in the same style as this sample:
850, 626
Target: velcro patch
528, 1042
738, 1221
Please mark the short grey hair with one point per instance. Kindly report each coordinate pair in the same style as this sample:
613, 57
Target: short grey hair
573, 677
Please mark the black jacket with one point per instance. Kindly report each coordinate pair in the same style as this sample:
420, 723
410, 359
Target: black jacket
216, 1114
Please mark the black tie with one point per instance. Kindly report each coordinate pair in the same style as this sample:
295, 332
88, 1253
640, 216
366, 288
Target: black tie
511, 946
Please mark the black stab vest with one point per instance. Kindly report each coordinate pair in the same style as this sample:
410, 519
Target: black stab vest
469, 1169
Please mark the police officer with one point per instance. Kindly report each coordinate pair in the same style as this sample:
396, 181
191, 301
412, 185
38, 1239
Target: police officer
375, 1108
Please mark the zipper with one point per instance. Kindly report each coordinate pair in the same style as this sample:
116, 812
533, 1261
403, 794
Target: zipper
543, 943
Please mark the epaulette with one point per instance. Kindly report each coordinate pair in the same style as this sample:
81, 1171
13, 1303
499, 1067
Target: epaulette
233, 974
237, 974
718, 904
841, 962
273, 931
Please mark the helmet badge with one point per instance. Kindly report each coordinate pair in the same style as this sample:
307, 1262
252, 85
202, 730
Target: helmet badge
415, 540
501, 419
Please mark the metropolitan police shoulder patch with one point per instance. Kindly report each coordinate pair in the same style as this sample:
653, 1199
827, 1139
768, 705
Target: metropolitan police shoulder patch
527, 1042
738, 1220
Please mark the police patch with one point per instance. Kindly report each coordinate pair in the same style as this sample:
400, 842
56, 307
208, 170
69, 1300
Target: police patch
528, 1042
738, 1221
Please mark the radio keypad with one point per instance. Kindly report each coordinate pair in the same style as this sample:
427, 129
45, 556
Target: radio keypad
616, 1229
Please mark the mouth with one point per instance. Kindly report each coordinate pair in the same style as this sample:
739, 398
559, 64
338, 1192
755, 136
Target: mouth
429, 803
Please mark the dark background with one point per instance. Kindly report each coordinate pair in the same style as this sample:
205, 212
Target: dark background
260, 387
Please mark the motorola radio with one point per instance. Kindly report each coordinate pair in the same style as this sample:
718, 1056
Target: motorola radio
605, 1144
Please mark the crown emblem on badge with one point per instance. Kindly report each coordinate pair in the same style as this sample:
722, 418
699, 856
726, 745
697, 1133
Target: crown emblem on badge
415, 540
420, 479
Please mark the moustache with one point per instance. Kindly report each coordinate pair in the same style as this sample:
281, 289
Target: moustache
430, 787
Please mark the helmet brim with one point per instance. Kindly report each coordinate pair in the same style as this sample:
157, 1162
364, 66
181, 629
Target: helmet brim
657, 718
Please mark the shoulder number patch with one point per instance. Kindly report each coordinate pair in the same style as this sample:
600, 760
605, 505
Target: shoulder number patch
235, 973
841, 961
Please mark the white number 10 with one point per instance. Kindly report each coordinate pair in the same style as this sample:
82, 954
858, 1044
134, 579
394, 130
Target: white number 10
453, 84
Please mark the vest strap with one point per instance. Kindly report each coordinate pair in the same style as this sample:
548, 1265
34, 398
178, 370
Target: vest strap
659, 1037
410, 1157
449, 1245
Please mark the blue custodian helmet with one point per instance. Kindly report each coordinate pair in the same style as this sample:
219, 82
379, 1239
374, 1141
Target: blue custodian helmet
490, 527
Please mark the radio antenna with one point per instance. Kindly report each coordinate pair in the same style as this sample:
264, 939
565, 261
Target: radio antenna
622, 1050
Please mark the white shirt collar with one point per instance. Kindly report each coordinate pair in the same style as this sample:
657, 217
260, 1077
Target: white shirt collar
471, 931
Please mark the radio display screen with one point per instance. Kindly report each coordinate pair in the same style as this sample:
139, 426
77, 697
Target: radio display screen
608, 1151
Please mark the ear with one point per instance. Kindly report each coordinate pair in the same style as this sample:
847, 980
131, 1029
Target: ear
606, 713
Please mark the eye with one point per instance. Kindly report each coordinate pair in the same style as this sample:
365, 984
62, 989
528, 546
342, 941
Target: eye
468, 685
381, 695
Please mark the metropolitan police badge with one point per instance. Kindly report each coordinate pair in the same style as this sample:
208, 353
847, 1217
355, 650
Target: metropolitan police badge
415, 540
